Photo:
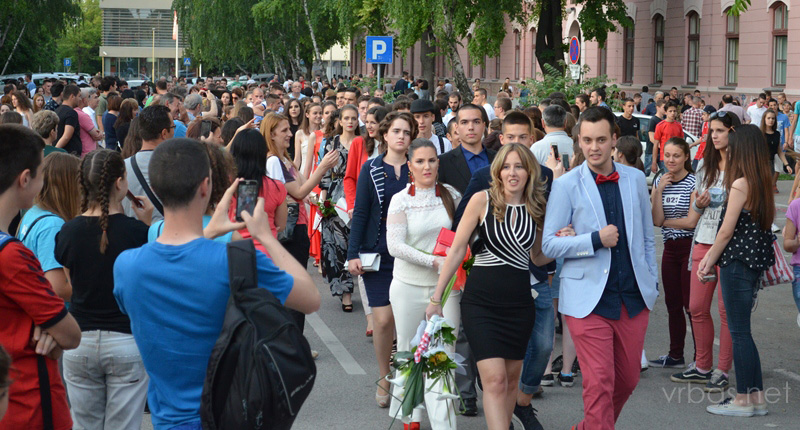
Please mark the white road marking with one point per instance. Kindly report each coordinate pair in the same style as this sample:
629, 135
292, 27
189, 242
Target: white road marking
348, 363
789, 374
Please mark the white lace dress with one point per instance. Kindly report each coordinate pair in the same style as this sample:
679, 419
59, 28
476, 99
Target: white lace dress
412, 226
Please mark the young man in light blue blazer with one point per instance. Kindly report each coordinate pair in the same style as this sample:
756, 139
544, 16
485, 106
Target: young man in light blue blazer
609, 278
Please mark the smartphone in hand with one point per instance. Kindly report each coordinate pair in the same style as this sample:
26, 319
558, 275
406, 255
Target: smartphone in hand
246, 196
555, 152
134, 201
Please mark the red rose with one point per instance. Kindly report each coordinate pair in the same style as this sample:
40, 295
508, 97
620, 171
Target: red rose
327, 203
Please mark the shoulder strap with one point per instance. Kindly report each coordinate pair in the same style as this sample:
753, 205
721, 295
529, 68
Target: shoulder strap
5, 239
242, 265
44, 392
145, 186
30, 228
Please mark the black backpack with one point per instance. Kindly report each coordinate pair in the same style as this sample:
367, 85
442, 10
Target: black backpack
260, 371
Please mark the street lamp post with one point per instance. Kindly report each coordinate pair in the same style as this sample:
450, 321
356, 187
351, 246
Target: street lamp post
153, 72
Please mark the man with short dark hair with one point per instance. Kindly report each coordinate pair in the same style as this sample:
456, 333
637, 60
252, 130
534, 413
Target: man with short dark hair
453, 103
582, 101
480, 100
55, 96
598, 97
35, 326
186, 274
756, 111
69, 137
609, 276
692, 118
659, 116
628, 124
30, 84
155, 126
402, 84
502, 106
646, 97
46, 89
107, 84
665, 130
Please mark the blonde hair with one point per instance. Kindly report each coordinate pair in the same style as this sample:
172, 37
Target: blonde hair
60, 193
533, 194
268, 125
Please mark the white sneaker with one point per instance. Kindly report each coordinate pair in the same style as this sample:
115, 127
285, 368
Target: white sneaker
760, 410
730, 409
798, 319
775, 228
646, 364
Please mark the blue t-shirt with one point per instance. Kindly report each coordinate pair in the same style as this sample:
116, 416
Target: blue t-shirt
42, 238
157, 227
175, 296
180, 129
783, 124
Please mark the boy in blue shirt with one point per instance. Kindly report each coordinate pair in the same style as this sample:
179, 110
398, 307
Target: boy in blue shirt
175, 290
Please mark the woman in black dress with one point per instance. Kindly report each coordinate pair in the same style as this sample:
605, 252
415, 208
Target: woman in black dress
497, 305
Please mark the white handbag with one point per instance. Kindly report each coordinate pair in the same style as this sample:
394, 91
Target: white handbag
370, 261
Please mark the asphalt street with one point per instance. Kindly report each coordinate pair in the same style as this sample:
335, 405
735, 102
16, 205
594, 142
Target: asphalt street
343, 396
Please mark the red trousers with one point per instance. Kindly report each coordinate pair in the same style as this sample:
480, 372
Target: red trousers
610, 353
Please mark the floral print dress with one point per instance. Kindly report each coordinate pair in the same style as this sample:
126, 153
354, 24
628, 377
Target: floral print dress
335, 233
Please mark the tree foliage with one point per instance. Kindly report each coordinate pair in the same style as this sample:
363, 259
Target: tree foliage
555, 80
82, 38
739, 6
43, 22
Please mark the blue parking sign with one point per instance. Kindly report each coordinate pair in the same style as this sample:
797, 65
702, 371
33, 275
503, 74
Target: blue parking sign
380, 49
187, 61
67, 62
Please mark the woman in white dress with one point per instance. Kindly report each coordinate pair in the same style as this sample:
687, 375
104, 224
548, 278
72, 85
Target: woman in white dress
312, 121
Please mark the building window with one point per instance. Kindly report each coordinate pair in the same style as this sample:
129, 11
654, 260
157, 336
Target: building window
627, 38
602, 60
732, 51
693, 57
411, 59
658, 49
516, 54
497, 67
483, 66
469, 60
780, 43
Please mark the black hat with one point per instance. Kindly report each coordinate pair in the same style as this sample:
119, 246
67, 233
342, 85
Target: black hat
422, 105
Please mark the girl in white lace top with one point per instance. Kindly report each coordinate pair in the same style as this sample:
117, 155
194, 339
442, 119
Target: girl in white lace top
416, 215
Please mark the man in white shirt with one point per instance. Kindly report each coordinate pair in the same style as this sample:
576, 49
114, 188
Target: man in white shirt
453, 103
554, 120
480, 100
92, 99
424, 113
757, 110
296, 94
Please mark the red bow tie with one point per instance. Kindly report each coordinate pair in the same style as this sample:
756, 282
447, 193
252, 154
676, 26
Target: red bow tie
614, 177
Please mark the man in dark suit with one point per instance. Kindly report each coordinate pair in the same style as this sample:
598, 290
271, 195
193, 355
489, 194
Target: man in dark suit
517, 128
457, 166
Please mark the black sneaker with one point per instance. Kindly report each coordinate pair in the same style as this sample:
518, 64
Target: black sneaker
566, 380
527, 417
691, 376
717, 383
547, 380
576, 368
557, 364
665, 361
470, 408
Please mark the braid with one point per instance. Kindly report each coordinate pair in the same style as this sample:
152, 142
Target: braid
103, 197
84, 186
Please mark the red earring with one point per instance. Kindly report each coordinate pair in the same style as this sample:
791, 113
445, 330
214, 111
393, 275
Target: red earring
438, 189
413, 190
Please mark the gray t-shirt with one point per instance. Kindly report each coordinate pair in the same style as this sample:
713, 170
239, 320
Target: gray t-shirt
143, 161
707, 226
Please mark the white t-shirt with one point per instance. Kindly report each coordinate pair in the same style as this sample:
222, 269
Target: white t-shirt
89, 111
489, 111
755, 114
275, 170
439, 143
708, 225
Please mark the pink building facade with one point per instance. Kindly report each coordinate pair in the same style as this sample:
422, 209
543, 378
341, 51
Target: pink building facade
688, 44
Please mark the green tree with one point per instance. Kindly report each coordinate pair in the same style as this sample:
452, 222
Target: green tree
33, 25
82, 38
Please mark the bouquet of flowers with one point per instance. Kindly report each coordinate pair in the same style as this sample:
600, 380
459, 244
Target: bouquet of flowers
431, 358
326, 208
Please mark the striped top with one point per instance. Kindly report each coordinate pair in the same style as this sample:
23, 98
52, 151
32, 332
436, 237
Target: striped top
676, 200
508, 242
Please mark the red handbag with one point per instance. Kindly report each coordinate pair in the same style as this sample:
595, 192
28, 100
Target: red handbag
443, 242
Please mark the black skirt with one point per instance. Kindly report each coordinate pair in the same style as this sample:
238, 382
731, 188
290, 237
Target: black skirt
497, 312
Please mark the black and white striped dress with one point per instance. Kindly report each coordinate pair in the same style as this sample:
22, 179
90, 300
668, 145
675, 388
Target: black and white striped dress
497, 307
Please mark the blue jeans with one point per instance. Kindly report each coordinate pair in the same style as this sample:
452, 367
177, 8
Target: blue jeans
540, 344
738, 282
648, 161
796, 287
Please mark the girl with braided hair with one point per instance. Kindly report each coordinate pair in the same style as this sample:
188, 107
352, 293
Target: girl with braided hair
105, 376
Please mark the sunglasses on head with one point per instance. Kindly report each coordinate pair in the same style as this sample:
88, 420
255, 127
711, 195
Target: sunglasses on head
718, 114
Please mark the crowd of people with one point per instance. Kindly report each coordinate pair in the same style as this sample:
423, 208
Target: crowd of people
116, 205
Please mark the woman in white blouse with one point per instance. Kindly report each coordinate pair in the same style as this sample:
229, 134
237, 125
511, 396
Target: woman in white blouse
416, 215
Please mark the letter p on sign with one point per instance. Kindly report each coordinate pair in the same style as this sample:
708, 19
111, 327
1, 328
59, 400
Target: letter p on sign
380, 49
